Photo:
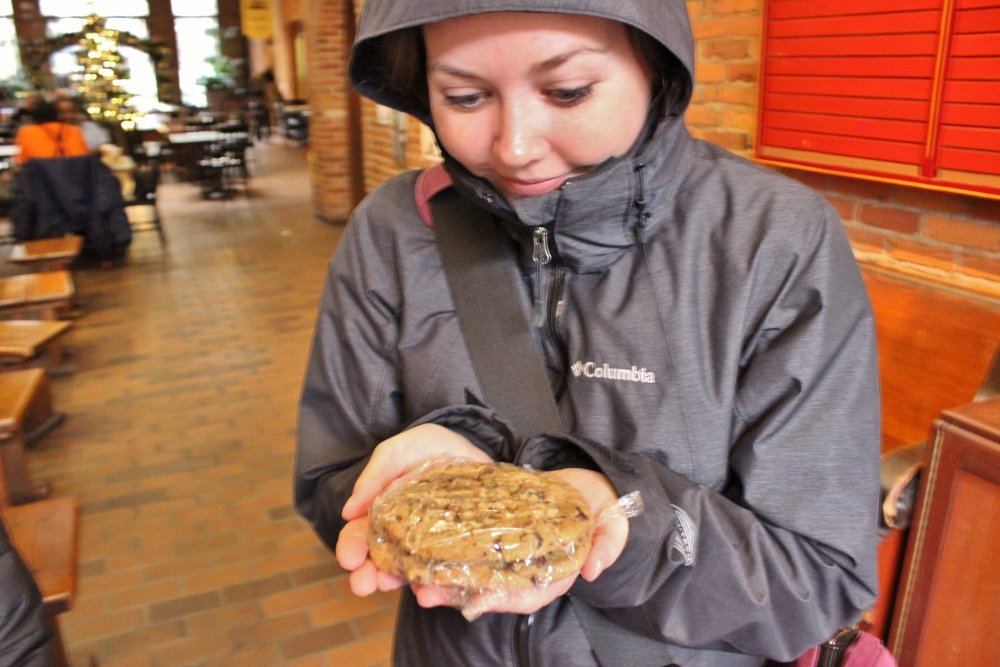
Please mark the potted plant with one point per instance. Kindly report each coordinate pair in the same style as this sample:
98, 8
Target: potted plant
224, 74
221, 82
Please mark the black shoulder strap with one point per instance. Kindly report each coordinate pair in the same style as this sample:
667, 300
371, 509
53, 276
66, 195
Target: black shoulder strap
496, 330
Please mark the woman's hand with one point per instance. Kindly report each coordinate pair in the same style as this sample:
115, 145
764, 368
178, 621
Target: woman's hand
611, 532
352, 554
390, 460
607, 545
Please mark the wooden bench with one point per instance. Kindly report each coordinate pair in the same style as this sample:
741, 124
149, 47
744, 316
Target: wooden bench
46, 536
31, 342
26, 415
937, 347
36, 296
47, 254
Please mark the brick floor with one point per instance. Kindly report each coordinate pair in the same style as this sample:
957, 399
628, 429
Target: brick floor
179, 443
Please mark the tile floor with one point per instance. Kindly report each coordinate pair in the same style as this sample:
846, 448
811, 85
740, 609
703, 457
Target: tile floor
179, 441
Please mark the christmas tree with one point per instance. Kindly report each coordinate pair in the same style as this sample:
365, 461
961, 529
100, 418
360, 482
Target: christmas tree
100, 85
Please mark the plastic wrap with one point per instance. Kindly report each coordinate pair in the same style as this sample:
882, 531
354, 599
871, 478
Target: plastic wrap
484, 530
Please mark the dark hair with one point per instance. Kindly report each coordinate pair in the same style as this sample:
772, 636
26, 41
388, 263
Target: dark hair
45, 112
403, 59
671, 80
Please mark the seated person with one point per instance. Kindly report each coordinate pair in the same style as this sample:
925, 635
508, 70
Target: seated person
95, 135
122, 165
49, 137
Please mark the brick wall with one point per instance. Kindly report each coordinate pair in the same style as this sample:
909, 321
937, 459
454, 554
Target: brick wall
948, 237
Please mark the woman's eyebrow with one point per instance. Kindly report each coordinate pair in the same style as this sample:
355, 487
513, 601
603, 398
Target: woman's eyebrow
543, 66
448, 69
557, 60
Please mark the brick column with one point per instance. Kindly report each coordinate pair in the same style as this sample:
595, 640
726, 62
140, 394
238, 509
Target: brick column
233, 43
30, 27
334, 129
161, 29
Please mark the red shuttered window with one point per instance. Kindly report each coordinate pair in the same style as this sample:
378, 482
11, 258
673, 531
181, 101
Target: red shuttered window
899, 90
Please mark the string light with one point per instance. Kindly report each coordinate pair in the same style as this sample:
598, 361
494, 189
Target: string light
101, 84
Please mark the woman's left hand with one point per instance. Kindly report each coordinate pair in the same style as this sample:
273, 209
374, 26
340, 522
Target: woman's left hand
392, 458
607, 545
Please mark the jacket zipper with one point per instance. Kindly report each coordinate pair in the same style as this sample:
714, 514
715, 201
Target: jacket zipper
522, 628
547, 305
541, 255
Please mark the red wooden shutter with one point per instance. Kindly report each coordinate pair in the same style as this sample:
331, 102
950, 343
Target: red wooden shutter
969, 141
897, 89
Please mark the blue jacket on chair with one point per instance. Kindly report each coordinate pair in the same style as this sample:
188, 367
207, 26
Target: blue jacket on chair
73, 195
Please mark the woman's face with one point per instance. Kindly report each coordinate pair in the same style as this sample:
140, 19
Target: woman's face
528, 100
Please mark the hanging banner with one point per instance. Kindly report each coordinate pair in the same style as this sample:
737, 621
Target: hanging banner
256, 18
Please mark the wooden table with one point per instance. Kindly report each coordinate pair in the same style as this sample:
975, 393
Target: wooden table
37, 295
47, 254
203, 136
26, 414
24, 339
189, 149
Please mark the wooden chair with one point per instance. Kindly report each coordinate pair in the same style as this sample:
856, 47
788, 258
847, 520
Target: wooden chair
33, 342
46, 535
26, 414
223, 165
142, 209
47, 254
946, 605
37, 296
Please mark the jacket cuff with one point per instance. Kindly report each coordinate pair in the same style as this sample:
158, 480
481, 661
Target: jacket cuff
554, 452
664, 529
480, 426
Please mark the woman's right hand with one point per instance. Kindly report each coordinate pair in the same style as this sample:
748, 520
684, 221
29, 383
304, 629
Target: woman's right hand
391, 459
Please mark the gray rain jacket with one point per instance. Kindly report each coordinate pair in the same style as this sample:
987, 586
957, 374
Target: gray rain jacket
710, 344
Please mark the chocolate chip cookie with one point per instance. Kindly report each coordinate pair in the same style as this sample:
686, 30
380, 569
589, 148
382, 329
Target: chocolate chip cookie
480, 526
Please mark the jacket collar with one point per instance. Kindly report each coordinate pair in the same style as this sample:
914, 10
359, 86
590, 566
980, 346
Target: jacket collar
592, 219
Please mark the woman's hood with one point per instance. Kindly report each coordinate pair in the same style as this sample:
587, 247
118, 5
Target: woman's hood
666, 21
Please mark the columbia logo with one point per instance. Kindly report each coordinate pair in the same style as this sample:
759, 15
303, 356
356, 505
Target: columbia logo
589, 369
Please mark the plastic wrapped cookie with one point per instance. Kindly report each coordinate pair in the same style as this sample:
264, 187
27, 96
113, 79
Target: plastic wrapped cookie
480, 527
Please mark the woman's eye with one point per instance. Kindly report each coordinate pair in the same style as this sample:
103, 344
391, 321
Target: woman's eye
469, 101
570, 96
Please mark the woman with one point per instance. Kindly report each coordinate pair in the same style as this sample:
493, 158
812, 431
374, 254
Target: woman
754, 435
49, 137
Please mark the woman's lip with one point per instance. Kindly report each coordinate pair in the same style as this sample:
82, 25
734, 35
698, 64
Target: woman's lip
529, 188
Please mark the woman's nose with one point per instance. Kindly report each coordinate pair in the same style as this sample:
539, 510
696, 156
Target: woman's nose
520, 137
